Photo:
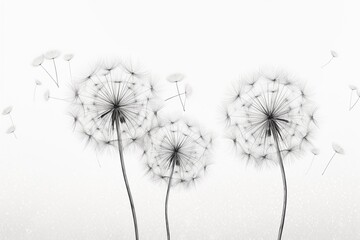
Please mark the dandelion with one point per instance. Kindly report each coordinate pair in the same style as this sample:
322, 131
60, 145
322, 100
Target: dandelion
333, 55
178, 154
175, 78
352, 89
358, 97
67, 58
268, 118
38, 61
52, 55
109, 107
314, 152
337, 150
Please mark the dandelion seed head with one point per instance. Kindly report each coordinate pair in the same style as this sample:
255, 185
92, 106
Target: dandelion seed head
315, 151
334, 54
337, 148
52, 54
175, 145
10, 130
271, 105
352, 87
175, 77
7, 110
109, 96
68, 57
38, 61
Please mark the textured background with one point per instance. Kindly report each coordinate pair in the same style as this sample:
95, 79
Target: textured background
53, 188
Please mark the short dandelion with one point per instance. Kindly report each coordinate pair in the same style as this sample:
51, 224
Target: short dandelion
68, 58
178, 154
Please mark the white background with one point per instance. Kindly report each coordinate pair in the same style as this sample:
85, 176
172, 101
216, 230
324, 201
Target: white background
51, 187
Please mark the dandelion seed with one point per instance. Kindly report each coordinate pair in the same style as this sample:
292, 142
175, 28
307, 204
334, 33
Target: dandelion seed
37, 83
52, 55
175, 78
11, 130
178, 154
112, 109
315, 152
358, 97
7, 111
352, 89
333, 55
38, 61
269, 122
337, 150
67, 58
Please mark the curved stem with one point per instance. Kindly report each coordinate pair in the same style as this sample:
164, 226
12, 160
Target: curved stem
355, 103
182, 104
327, 62
167, 200
329, 163
118, 130
284, 186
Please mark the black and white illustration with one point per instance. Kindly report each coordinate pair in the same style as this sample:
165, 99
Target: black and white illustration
179, 120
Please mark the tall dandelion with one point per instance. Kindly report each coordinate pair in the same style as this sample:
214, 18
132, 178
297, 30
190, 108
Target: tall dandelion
268, 118
110, 108
178, 154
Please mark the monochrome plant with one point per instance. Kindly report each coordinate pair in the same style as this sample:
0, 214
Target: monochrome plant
110, 108
269, 120
7, 112
178, 153
357, 91
314, 152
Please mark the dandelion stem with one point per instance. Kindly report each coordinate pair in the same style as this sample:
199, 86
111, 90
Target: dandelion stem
34, 92
118, 130
276, 138
57, 79
15, 135
327, 62
312, 161
167, 200
182, 104
49, 75
174, 96
354, 103
329, 163
351, 94
70, 71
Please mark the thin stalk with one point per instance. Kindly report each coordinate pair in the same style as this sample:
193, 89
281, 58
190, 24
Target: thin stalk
327, 62
34, 92
167, 200
182, 104
329, 163
354, 104
70, 71
351, 94
11, 119
276, 138
118, 131
312, 161
49, 75
56, 74
174, 96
